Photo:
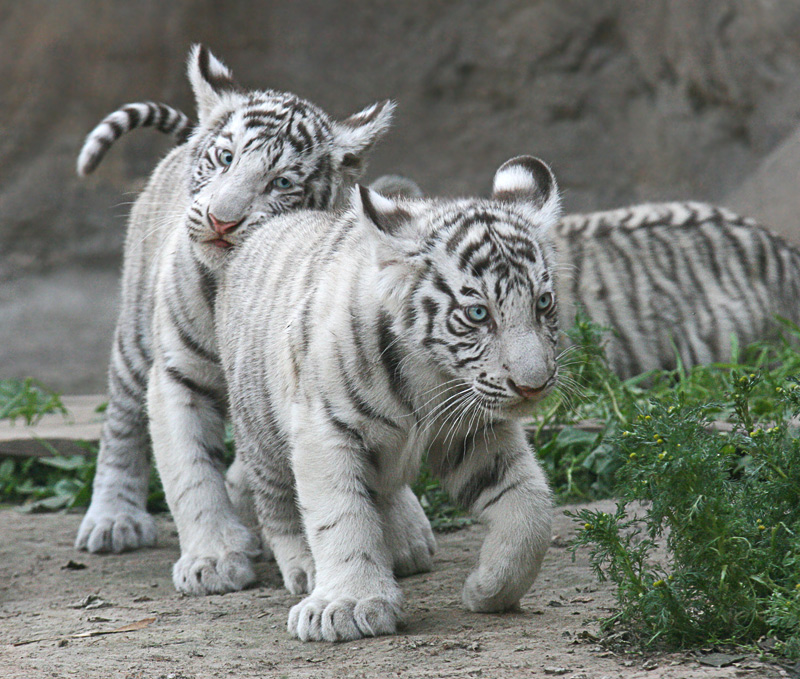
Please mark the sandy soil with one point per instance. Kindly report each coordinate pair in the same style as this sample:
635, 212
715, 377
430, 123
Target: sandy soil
57, 607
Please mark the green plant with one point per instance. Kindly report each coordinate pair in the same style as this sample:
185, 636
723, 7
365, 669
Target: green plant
46, 483
28, 400
590, 403
724, 503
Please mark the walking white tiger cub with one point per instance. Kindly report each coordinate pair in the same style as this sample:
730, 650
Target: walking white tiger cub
252, 155
402, 328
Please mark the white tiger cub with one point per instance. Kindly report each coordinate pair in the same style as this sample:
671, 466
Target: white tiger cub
353, 346
252, 155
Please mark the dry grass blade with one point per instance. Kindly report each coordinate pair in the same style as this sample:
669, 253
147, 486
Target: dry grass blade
131, 627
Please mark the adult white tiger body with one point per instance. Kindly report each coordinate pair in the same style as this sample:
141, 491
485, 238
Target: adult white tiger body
408, 327
676, 281
252, 155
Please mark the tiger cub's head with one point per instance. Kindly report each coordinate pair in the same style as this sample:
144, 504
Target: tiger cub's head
471, 283
258, 154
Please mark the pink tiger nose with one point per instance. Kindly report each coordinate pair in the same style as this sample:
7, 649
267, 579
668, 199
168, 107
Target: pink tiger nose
222, 227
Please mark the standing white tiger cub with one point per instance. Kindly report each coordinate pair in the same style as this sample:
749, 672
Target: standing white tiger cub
353, 346
251, 156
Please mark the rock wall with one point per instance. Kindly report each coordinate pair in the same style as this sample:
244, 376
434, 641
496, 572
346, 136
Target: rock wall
628, 101
771, 194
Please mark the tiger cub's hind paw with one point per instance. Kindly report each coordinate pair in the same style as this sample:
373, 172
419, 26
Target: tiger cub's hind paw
200, 575
104, 530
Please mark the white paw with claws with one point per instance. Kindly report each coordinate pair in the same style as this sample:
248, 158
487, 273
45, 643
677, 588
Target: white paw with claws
109, 529
343, 618
228, 568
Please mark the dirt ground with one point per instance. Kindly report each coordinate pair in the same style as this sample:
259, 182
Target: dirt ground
61, 612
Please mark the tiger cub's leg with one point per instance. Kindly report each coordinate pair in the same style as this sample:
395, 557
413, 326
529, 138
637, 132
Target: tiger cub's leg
498, 478
117, 519
240, 493
356, 594
407, 532
271, 481
187, 427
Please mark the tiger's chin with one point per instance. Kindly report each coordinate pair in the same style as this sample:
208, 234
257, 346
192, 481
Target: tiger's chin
521, 408
220, 243
214, 253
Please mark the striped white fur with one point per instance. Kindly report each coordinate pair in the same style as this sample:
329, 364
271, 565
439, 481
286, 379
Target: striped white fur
354, 345
680, 281
251, 156
139, 114
676, 281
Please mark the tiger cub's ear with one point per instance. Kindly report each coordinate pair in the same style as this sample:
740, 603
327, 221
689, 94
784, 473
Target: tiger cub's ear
531, 184
391, 230
356, 135
210, 80
380, 211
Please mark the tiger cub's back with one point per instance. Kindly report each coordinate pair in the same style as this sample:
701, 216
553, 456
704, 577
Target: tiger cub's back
676, 278
154, 214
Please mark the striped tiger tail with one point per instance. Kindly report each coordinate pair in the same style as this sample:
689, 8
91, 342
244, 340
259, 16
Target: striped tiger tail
159, 116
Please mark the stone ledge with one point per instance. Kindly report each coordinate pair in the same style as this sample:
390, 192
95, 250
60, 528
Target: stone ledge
63, 433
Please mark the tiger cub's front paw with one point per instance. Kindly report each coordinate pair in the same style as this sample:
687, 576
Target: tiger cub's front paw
486, 592
343, 618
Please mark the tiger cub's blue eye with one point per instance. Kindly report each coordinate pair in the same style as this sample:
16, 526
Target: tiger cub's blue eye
282, 183
477, 313
225, 157
545, 301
